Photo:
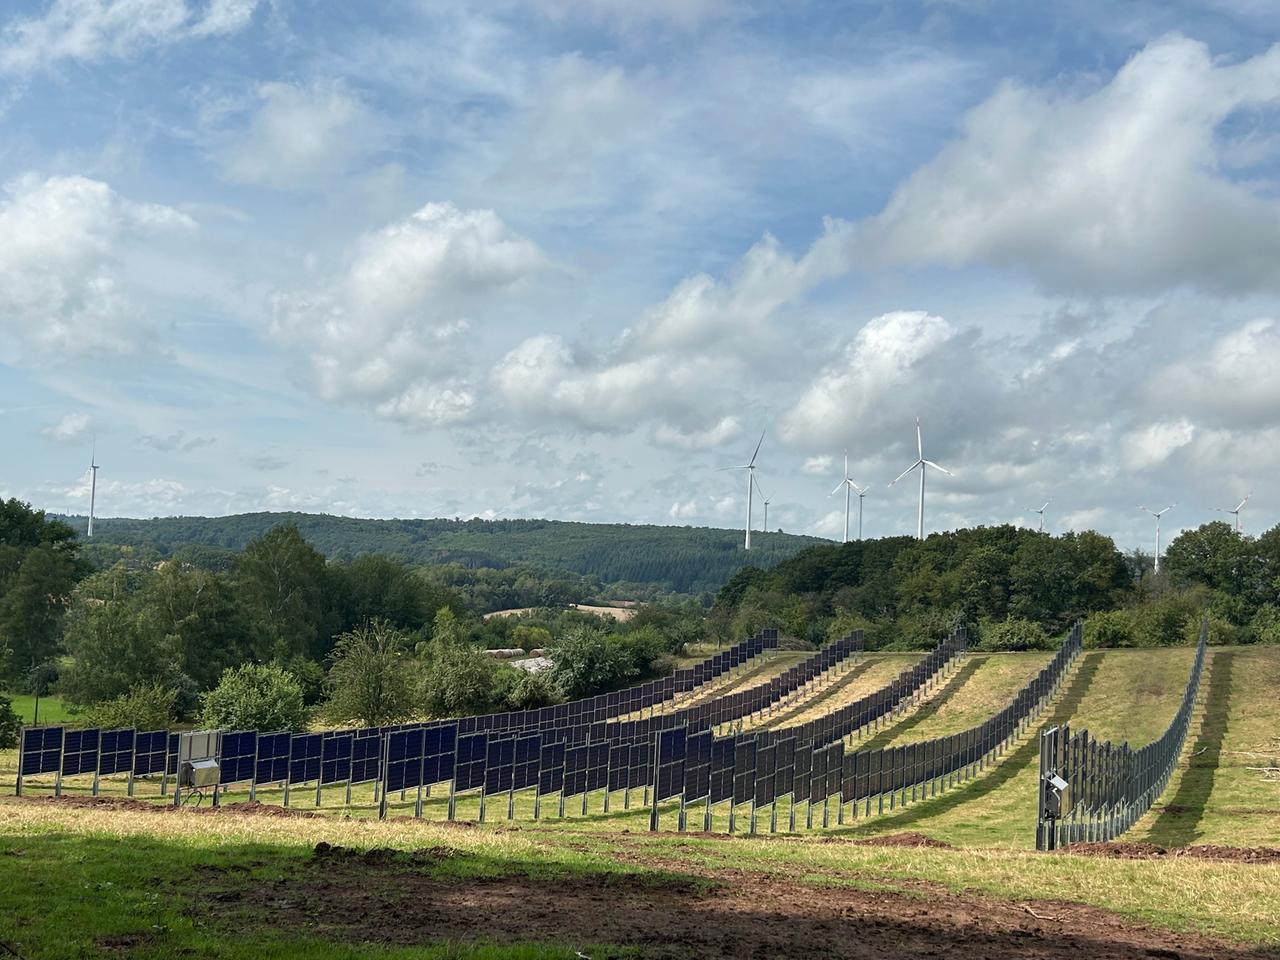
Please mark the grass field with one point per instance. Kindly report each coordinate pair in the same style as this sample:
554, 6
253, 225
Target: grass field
52, 709
88, 882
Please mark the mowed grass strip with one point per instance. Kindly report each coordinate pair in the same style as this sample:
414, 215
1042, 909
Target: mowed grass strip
873, 672
1221, 793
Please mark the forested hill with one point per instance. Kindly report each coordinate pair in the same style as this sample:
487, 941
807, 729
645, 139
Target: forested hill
683, 559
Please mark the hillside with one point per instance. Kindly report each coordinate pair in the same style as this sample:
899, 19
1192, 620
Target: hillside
682, 559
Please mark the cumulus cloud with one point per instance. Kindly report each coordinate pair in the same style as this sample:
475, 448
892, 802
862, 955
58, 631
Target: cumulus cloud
724, 430
61, 289
1155, 443
95, 30
73, 426
885, 355
685, 359
179, 440
1119, 189
301, 134
1233, 383
390, 332
818, 466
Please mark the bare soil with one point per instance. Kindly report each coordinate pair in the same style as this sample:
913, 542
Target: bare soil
393, 897
241, 808
1151, 851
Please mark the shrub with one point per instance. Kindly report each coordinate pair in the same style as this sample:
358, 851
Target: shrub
1265, 625
1013, 633
1109, 628
255, 697
371, 680
458, 680
10, 723
147, 706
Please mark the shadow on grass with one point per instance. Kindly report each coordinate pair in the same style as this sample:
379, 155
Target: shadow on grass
1180, 817
930, 709
1013, 763
806, 705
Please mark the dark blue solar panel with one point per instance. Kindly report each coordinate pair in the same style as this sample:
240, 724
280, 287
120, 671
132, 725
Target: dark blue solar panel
149, 752
722, 762
116, 752
575, 771
468, 771
366, 756
672, 748
439, 752
304, 757
171, 759
551, 772
273, 758
499, 774
80, 752
528, 761
41, 750
236, 764
404, 759
335, 766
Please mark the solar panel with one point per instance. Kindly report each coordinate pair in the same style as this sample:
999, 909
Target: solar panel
236, 765
469, 767
439, 746
304, 757
500, 762
744, 770
575, 771
722, 763
366, 755
697, 765
551, 773
273, 758
80, 752
149, 748
404, 760
672, 748
335, 752
41, 750
116, 752
528, 761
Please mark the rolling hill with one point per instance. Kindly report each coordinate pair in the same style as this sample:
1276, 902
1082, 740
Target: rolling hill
681, 559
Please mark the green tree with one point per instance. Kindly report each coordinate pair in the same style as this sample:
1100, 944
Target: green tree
146, 706
588, 662
284, 587
10, 724
254, 697
371, 681
458, 680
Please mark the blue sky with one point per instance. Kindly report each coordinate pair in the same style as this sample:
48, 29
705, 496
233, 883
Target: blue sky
566, 257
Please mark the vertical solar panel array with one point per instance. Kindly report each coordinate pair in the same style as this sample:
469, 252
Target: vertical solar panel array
41, 751
116, 752
80, 752
237, 761
335, 756
151, 752
273, 758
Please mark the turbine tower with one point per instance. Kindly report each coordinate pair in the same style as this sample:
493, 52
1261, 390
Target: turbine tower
93, 484
1236, 512
1041, 512
760, 490
750, 467
922, 464
849, 485
1158, 514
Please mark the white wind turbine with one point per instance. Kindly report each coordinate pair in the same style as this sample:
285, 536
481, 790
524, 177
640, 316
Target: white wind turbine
1236, 512
93, 484
1041, 512
760, 489
923, 465
849, 486
1158, 514
750, 467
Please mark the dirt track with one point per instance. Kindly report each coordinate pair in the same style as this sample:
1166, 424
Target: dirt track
395, 898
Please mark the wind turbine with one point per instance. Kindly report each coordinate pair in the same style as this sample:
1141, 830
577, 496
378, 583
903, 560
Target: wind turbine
923, 464
750, 467
93, 484
766, 503
1158, 514
849, 485
1041, 512
1236, 512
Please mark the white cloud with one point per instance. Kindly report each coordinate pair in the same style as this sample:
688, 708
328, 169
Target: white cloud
94, 30
683, 510
1154, 444
884, 355
685, 360
684, 14
391, 331
301, 135
62, 241
71, 427
724, 430
1119, 189
1233, 383
818, 466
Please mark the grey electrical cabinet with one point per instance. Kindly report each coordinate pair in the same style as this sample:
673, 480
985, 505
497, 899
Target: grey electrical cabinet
198, 774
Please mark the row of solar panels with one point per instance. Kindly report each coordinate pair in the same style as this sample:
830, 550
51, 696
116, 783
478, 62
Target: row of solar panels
769, 765
619, 703
619, 755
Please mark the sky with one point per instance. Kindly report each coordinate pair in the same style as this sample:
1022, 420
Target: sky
567, 258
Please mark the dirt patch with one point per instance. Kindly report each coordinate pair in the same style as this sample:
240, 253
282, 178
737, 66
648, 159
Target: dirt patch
383, 897
1151, 851
246, 808
897, 840
384, 856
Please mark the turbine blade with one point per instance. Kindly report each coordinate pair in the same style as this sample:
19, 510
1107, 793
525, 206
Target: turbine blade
1046, 505
919, 440
938, 466
757, 453
905, 472
846, 464
837, 489
743, 466
1242, 503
